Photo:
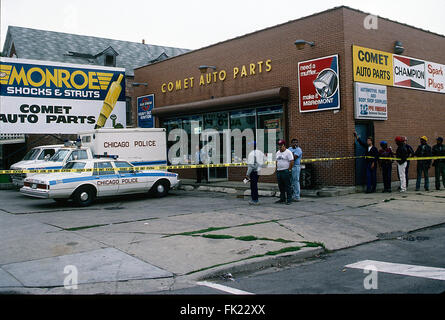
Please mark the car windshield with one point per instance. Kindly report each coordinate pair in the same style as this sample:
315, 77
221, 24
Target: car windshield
126, 166
74, 165
32, 154
59, 155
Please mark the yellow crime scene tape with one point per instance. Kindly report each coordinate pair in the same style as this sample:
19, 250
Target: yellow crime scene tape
196, 166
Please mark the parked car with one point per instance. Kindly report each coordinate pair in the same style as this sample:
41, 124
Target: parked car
108, 177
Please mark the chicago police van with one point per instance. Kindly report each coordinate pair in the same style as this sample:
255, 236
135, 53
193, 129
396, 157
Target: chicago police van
139, 146
107, 177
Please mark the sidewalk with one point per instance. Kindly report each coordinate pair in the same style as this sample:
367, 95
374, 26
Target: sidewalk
148, 245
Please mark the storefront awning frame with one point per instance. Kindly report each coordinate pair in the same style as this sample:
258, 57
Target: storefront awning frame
223, 103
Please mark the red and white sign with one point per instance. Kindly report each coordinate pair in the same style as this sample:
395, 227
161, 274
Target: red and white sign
318, 84
409, 72
435, 77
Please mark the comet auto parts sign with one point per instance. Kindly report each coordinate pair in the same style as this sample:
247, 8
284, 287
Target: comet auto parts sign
52, 97
318, 84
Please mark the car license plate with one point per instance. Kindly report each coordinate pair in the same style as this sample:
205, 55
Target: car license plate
34, 186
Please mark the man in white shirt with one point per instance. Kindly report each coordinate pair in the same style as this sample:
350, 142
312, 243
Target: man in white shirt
255, 161
284, 164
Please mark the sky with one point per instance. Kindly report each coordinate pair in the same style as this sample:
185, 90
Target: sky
193, 24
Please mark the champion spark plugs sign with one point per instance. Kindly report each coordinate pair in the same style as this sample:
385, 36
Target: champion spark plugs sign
318, 84
50, 97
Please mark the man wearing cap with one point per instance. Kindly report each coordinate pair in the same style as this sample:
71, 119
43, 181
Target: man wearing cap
423, 150
439, 164
296, 169
284, 164
410, 154
386, 165
402, 154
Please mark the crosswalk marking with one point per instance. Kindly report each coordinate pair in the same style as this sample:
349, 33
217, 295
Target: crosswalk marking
402, 269
222, 288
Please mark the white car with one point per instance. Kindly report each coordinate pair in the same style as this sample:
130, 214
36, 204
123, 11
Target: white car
118, 178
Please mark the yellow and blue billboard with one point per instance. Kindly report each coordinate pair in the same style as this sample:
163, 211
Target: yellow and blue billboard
53, 97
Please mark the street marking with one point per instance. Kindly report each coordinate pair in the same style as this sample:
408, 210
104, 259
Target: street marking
222, 288
402, 269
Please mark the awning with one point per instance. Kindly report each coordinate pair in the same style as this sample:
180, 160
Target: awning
224, 103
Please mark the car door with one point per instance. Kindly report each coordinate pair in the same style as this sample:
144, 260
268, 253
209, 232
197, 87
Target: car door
107, 182
130, 181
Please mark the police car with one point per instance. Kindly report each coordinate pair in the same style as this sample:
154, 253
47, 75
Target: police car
108, 177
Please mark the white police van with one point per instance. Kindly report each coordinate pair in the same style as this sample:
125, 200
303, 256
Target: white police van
32, 159
108, 177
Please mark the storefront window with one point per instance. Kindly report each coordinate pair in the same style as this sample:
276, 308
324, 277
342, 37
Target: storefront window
187, 126
242, 120
217, 121
271, 118
267, 118
170, 125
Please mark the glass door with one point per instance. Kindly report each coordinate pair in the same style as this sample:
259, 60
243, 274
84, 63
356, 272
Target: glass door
217, 121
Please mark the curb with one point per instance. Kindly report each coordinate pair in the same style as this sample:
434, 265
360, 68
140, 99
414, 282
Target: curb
255, 264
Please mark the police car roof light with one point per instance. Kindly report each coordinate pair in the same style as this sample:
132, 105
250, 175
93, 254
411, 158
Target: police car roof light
98, 156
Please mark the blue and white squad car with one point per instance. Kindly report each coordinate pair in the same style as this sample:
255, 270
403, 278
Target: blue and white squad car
116, 177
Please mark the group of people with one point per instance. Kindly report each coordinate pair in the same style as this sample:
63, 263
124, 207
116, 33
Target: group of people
288, 168
375, 157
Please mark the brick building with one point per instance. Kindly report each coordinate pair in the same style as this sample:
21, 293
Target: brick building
255, 77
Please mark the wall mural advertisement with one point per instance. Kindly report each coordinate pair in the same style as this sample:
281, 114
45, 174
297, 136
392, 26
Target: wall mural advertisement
52, 97
318, 84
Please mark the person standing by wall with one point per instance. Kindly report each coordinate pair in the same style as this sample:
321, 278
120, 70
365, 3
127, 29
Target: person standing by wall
402, 154
284, 164
255, 161
296, 169
386, 165
200, 159
439, 164
423, 150
410, 154
371, 155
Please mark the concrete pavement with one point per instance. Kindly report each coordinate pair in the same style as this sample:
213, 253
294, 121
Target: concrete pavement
138, 245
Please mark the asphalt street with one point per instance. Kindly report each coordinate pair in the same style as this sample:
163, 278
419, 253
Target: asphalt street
328, 274
183, 243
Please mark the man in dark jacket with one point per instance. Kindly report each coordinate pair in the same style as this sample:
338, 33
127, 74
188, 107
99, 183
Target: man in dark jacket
386, 165
439, 164
402, 154
423, 150
410, 154
372, 155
